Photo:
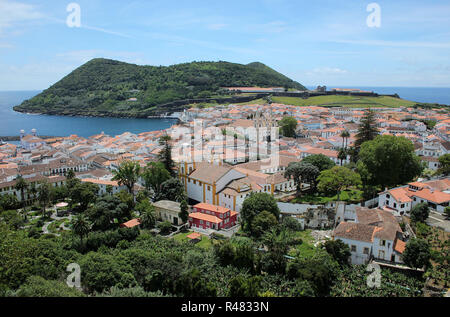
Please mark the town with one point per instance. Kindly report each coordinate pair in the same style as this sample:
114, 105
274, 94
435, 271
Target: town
373, 182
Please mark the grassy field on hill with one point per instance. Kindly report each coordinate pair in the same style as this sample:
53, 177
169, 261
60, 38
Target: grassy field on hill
340, 101
345, 101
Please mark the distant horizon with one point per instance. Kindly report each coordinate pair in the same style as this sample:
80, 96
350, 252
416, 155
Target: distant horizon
306, 85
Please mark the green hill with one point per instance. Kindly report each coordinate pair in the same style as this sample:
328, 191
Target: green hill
103, 87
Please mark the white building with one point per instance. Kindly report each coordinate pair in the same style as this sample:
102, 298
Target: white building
372, 234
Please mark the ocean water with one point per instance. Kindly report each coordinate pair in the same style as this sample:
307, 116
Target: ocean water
11, 122
421, 94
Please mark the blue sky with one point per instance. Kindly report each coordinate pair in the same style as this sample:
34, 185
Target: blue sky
314, 42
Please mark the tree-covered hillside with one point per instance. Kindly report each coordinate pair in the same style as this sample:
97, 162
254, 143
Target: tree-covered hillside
108, 87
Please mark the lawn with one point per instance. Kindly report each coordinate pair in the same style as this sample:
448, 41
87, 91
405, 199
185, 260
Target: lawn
205, 243
350, 196
346, 101
305, 249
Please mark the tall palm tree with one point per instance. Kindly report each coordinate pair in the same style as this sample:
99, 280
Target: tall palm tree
127, 174
81, 226
345, 135
342, 155
44, 195
21, 185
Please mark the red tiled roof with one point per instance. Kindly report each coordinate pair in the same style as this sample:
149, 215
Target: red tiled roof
205, 217
131, 224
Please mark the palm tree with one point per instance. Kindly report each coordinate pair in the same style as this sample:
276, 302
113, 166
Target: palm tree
22, 185
33, 190
342, 155
44, 193
81, 226
127, 174
148, 219
345, 135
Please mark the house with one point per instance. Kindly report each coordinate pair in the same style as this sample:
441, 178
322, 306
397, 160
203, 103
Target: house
167, 210
372, 234
402, 200
207, 216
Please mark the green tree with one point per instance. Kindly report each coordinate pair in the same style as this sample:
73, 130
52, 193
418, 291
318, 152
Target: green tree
303, 289
102, 271
225, 252
165, 156
337, 179
320, 270
342, 155
184, 211
155, 174
107, 213
84, 194
345, 135
420, 213
81, 226
288, 126
338, 250
109, 189
127, 174
320, 161
262, 223
22, 186
165, 227
241, 286
147, 214
278, 245
444, 164
302, 172
44, 195
255, 204
417, 253
388, 161
36, 286
173, 190
70, 174
367, 130
9, 202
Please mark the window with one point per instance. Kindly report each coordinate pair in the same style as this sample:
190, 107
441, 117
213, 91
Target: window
381, 254
366, 251
209, 188
201, 222
382, 243
353, 248
402, 206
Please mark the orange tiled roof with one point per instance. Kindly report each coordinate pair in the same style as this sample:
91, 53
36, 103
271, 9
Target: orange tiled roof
205, 217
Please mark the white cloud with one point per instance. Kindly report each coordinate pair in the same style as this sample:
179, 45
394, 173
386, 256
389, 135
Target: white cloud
329, 71
14, 13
